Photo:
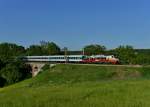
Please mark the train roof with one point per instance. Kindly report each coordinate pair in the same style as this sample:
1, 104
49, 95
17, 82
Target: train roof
101, 56
54, 56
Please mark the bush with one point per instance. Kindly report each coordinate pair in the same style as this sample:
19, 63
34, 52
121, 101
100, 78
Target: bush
14, 72
145, 71
2, 82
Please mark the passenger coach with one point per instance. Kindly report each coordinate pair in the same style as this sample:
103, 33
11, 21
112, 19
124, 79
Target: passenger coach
55, 58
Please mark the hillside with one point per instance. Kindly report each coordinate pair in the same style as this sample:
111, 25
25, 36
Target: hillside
81, 86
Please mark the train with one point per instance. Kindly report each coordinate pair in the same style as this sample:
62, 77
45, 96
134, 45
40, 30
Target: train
84, 59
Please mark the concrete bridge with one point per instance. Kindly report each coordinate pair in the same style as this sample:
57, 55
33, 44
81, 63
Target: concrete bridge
37, 67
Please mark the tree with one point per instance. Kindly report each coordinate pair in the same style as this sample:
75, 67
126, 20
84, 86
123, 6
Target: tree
50, 48
10, 51
11, 74
143, 59
10, 71
143, 56
14, 72
35, 50
45, 48
126, 54
94, 49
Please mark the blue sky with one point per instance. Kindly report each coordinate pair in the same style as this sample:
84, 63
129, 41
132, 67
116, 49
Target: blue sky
76, 23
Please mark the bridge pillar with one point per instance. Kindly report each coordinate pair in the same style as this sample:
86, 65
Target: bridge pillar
36, 67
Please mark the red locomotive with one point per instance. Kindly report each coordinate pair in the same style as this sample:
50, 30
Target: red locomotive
103, 59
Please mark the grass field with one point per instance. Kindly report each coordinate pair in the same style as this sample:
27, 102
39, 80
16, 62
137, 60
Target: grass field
81, 86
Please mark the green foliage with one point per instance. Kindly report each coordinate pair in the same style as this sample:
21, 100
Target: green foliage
9, 51
145, 71
143, 59
34, 50
2, 64
46, 48
94, 49
11, 74
11, 70
51, 48
126, 54
14, 72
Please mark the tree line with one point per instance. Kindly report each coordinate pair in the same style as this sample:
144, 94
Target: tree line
13, 70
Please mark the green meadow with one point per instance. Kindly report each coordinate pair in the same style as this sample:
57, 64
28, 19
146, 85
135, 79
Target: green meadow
81, 86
